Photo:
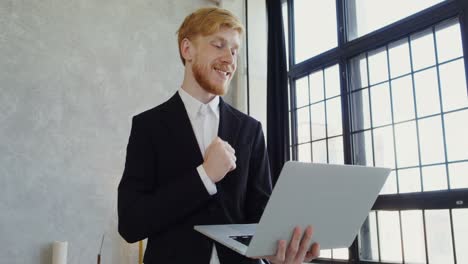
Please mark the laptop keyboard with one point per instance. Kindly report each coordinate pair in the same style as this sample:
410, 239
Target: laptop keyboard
242, 239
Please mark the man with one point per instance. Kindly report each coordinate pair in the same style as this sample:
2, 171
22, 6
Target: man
196, 160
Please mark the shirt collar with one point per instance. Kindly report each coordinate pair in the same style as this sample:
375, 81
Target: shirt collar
193, 106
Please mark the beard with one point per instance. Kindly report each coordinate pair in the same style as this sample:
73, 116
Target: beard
201, 74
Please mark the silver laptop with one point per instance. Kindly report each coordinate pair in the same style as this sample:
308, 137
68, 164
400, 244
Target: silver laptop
334, 199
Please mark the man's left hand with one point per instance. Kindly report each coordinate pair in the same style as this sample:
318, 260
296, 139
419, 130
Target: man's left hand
297, 251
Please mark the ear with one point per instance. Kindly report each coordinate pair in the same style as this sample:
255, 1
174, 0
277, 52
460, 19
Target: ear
187, 49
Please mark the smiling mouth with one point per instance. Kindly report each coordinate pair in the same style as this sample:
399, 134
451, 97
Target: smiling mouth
225, 73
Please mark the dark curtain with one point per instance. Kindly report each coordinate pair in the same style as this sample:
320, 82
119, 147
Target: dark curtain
277, 94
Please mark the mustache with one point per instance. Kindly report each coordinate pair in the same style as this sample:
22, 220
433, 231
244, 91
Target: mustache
224, 67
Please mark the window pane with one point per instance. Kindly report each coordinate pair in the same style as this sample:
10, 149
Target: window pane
365, 16
360, 110
453, 85
340, 253
390, 240
399, 58
312, 19
332, 81
380, 101
406, 144
318, 120
422, 50
409, 180
403, 100
390, 186
302, 92
316, 86
319, 151
335, 150
413, 236
383, 147
325, 253
378, 69
368, 242
460, 227
358, 72
449, 43
431, 140
334, 124
439, 237
434, 178
458, 175
456, 129
303, 125
362, 145
303, 153
427, 93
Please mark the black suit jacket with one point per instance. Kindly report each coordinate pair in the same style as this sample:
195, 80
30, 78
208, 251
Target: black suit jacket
161, 196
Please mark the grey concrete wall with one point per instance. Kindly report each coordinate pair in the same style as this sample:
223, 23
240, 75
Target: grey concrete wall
72, 73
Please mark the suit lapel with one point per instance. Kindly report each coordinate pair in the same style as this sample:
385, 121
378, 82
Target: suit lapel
229, 124
178, 123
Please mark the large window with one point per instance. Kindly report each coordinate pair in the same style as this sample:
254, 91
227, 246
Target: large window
390, 91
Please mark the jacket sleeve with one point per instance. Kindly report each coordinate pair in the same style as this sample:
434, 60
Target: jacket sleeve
259, 182
144, 207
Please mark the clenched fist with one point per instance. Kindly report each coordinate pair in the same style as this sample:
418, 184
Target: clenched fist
219, 159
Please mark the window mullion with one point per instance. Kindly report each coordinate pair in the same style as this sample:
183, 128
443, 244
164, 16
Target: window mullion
292, 41
464, 33
341, 22
378, 235
425, 235
393, 120
415, 114
454, 247
446, 199
442, 112
294, 140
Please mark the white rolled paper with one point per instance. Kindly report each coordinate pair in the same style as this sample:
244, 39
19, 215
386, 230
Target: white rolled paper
59, 252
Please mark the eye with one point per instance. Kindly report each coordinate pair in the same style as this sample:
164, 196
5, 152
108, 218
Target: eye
218, 45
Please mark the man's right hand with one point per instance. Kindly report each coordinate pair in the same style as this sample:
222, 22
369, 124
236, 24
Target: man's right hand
220, 159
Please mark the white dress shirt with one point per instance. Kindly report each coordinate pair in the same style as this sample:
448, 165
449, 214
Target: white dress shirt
205, 122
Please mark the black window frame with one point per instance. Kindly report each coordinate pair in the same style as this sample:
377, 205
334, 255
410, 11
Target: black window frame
341, 55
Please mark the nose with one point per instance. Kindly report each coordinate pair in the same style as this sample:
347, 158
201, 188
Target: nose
228, 57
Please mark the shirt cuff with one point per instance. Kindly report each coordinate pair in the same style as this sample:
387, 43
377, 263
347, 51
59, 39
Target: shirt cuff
209, 185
